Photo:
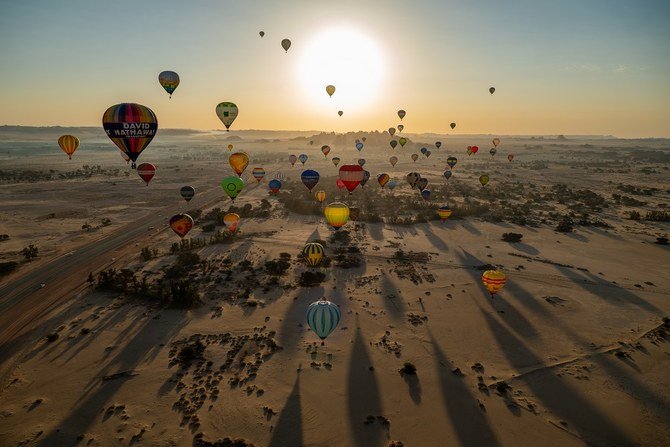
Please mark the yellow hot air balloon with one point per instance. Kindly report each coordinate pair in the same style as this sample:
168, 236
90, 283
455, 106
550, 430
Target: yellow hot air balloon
493, 280
337, 214
231, 220
330, 89
313, 253
320, 196
239, 162
444, 212
230, 147
69, 144
496, 142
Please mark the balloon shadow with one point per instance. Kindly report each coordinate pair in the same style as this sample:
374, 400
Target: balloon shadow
288, 430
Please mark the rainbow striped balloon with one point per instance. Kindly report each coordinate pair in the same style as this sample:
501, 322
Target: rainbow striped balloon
131, 127
323, 317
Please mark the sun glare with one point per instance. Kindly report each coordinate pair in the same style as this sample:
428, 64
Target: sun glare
347, 59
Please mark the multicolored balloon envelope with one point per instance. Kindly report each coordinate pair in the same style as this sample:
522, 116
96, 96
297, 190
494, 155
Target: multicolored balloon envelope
336, 214
131, 127
292, 159
181, 224
340, 184
494, 281
323, 317
303, 158
69, 144
309, 178
359, 146
393, 160
451, 161
483, 179
444, 212
391, 185
320, 196
313, 253
169, 80
336, 161
274, 185
415, 157
351, 176
413, 178
447, 174
383, 179
231, 220
187, 192
146, 171
232, 186
422, 183
401, 114
227, 112
366, 177
391, 131
239, 162
325, 149
258, 174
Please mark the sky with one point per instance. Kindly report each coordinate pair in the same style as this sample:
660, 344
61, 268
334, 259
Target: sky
559, 67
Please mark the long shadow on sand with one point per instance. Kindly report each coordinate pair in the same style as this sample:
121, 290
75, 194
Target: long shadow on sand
363, 396
392, 298
288, 430
524, 248
434, 238
145, 342
470, 424
555, 394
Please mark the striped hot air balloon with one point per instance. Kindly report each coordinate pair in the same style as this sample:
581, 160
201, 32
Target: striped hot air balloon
146, 171
351, 176
310, 178
181, 224
444, 212
323, 317
258, 174
493, 280
320, 196
313, 253
69, 144
337, 214
131, 127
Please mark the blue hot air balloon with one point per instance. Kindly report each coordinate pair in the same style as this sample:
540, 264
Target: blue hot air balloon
323, 317
423, 150
425, 194
359, 146
447, 174
274, 185
309, 178
366, 177
302, 158
392, 184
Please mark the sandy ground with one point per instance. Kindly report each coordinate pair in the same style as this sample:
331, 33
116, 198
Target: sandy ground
569, 353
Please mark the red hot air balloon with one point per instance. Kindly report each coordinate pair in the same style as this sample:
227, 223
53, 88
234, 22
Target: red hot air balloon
351, 176
340, 184
146, 172
474, 149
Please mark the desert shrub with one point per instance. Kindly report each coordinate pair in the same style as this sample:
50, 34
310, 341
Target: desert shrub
30, 252
634, 215
407, 369
662, 240
8, 267
309, 278
512, 237
191, 352
183, 294
277, 267
4, 237
657, 216
566, 225
148, 254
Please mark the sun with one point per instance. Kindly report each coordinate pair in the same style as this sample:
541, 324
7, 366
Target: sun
347, 59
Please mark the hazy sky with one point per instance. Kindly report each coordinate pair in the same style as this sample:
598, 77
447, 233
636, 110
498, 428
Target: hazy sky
568, 66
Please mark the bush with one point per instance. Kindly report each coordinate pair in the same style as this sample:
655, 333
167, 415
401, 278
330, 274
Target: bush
190, 353
512, 237
277, 267
310, 279
662, 240
634, 215
565, 225
407, 369
147, 254
30, 252
183, 294
4, 237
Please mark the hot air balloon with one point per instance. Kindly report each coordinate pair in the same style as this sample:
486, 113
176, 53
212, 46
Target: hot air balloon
391, 185
401, 114
438, 144
415, 157
400, 127
181, 224
474, 149
340, 184
364, 139
393, 144
361, 162
496, 142
366, 177
444, 212
258, 174
391, 131
311, 142
452, 125
510, 157
492, 90
451, 161
262, 33
383, 179
286, 44
330, 89
274, 185
292, 159
423, 150
425, 193
393, 160
302, 158
231, 220
230, 147
313, 253
227, 112
469, 150
323, 317
402, 141
280, 176
320, 196
359, 146
422, 183
187, 192
232, 186
69, 144
337, 214
146, 171
309, 178
412, 178
493, 280
340, 112
131, 127
169, 80
427, 154
351, 176
447, 174
239, 162
483, 179
492, 151
325, 149
336, 161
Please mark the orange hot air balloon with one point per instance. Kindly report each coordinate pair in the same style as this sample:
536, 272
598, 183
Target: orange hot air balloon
239, 162
231, 220
444, 212
258, 174
320, 196
181, 224
69, 144
493, 280
146, 171
230, 147
383, 179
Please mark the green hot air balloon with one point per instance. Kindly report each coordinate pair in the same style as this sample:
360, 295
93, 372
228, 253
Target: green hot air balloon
232, 186
402, 141
483, 179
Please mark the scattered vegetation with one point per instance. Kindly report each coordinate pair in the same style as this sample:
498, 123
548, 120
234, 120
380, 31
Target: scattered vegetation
512, 237
30, 252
